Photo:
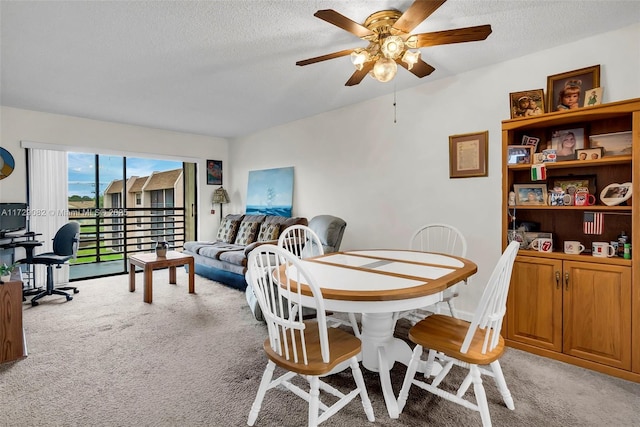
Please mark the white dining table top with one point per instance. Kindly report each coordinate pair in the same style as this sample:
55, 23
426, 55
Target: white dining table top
386, 274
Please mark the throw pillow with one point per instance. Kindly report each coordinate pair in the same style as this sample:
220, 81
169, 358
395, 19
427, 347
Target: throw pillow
247, 232
227, 230
268, 232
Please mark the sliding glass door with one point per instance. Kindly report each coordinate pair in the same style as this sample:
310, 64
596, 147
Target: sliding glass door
125, 205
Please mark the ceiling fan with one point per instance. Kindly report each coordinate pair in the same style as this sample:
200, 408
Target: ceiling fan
391, 42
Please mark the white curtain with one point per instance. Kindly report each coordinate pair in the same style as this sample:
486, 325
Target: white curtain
48, 204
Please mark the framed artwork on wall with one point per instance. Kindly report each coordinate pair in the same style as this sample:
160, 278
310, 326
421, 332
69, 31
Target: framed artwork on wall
468, 154
270, 192
214, 172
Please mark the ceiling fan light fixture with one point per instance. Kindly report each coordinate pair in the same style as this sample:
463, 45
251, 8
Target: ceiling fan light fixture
392, 46
410, 58
359, 57
384, 69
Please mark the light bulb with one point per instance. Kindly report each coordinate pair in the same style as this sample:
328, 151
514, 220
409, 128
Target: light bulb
385, 69
392, 47
410, 58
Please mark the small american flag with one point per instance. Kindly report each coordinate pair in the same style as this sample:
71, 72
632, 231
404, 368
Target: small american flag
593, 223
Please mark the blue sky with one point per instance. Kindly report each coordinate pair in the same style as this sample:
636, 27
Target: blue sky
82, 170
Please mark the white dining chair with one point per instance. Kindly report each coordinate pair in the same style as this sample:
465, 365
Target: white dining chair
306, 349
475, 345
303, 242
440, 238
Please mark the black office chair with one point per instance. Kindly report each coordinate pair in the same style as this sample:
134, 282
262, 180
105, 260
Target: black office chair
65, 247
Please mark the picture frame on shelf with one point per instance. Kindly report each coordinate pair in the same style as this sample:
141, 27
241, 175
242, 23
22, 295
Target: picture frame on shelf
615, 194
613, 144
519, 154
530, 194
531, 140
566, 142
527, 103
587, 154
571, 183
593, 97
566, 91
468, 155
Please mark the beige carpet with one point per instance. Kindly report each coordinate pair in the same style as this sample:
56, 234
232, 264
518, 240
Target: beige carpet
108, 359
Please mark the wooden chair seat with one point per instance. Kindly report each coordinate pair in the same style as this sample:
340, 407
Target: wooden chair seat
343, 347
445, 334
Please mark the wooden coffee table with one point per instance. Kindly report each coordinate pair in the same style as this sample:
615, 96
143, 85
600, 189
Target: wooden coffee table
149, 262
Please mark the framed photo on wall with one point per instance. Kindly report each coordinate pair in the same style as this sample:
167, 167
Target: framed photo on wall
214, 172
566, 91
468, 154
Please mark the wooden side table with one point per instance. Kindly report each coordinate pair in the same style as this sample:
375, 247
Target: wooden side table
150, 261
12, 345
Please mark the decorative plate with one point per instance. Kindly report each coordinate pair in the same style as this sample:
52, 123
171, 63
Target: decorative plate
615, 194
6, 163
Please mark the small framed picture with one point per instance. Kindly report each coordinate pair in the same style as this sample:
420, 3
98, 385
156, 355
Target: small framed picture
586, 154
566, 142
530, 194
593, 97
527, 103
615, 194
214, 172
519, 154
468, 155
613, 144
532, 141
570, 184
566, 91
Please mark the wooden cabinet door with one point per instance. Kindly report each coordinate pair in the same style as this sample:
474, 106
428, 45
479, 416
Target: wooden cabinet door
534, 305
597, 313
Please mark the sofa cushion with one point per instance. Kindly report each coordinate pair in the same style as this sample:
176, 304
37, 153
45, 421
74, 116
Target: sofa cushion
268, 231
228, 229
214, 251
285, 222
248, 229
234, 257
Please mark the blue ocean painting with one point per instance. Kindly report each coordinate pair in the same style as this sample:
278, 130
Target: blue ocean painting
270, 192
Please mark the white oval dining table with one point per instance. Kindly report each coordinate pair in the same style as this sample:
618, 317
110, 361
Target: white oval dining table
378, 283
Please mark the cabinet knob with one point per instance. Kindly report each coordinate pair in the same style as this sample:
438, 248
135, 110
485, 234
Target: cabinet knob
557, 280
566, 281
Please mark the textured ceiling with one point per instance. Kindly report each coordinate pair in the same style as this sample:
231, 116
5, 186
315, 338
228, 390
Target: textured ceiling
227, 68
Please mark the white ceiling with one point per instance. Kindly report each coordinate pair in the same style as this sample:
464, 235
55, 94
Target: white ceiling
227, 68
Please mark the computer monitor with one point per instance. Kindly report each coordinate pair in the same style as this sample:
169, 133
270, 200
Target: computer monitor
13, 217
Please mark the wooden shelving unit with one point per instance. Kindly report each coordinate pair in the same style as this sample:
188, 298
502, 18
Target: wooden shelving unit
578, 309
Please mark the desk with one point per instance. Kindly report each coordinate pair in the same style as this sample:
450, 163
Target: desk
150, 262
378, 283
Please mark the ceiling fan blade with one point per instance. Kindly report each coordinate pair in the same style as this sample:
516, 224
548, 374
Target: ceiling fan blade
341, 21
417, 12
359, 74
325, 57
420, 69
459, 35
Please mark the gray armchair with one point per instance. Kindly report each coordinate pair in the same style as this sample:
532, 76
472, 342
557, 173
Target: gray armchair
330, 230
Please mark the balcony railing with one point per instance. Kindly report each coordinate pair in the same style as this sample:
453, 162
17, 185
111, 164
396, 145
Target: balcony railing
111, 234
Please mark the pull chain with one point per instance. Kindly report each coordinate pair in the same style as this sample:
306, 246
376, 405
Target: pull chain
395, 110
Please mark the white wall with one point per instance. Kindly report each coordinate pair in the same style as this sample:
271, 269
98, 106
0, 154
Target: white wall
385, 178
109, 138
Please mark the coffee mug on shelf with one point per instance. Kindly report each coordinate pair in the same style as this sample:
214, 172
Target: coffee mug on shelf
583, 198
602, 249
542, 244
573, 247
